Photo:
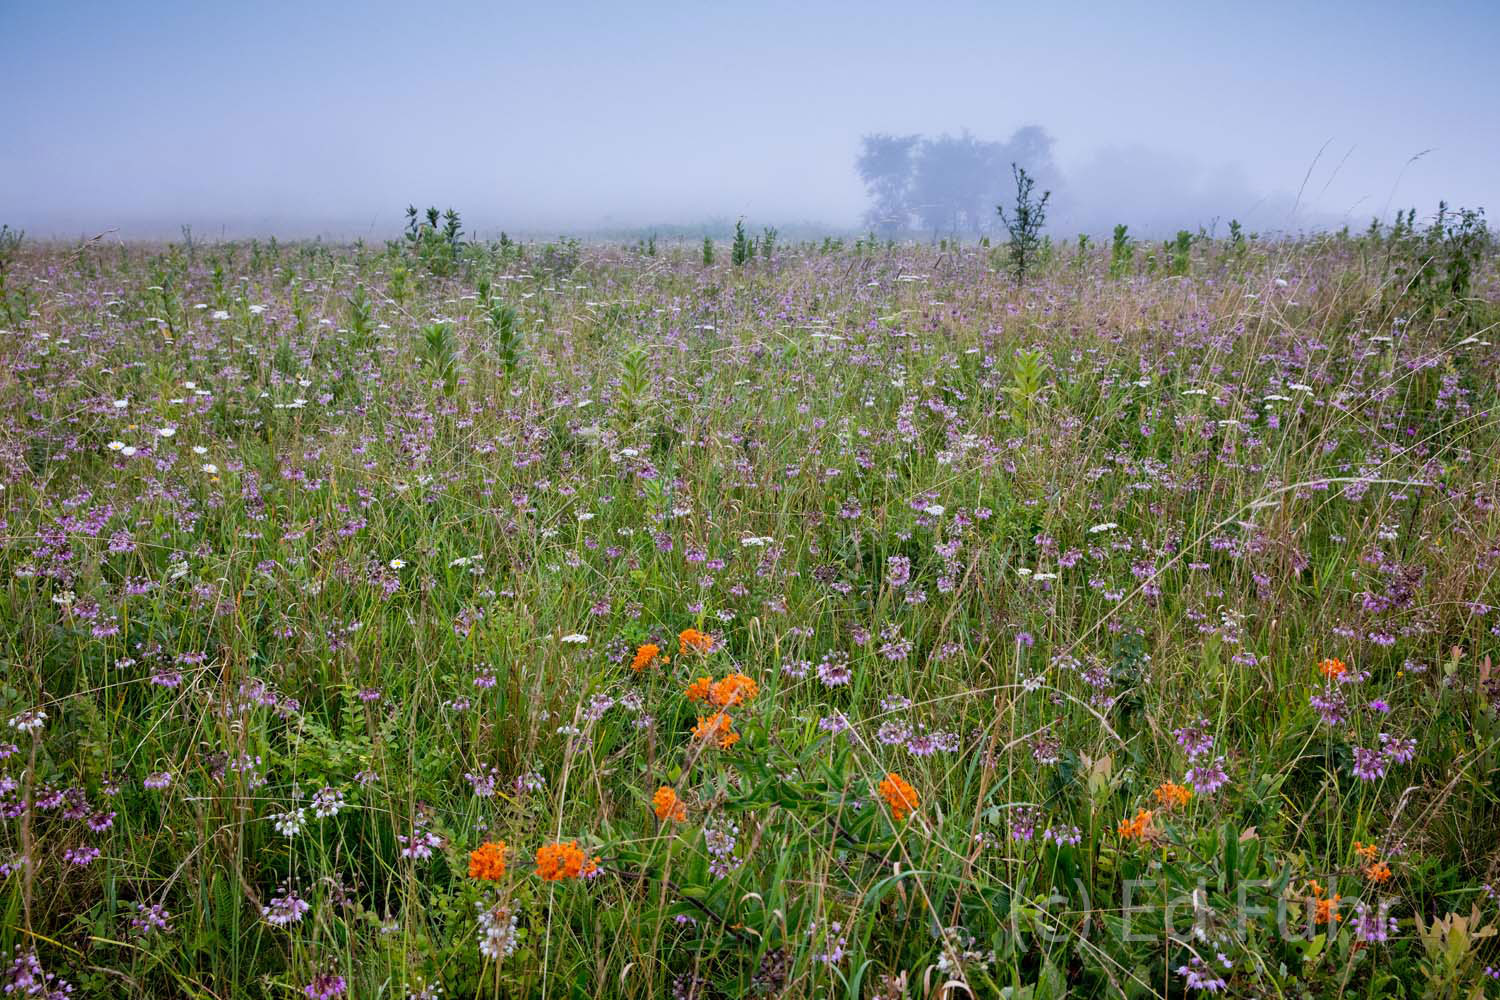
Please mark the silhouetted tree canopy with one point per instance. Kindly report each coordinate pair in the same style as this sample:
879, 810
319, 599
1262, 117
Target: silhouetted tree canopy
948, 185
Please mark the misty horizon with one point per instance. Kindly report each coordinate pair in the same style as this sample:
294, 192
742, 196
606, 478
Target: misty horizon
301, 123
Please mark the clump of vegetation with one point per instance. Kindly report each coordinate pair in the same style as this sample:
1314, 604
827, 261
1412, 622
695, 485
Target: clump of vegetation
1121, 252
743, 248
504, 324
361, 319
15, 303
439, 355
434, 241
1433, 269
1179, 253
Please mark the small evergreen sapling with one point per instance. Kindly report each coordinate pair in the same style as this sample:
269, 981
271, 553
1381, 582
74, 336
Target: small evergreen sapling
1024, 224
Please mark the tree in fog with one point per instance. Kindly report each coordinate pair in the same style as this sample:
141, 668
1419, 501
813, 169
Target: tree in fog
948, 185
885, 165
952, 184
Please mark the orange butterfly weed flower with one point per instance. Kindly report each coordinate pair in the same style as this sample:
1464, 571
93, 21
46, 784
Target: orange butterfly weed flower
718, 726
645, 656
668, 806
1333, 668
1378, 872
733, 690
1170, 795
487, 861
1366, 851
555, 862
899, 795
1325, 907
690, 640
698, 690
1138, 828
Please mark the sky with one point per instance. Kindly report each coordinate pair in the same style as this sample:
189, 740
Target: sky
328, 117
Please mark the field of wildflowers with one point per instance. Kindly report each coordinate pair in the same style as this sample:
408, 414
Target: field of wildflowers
563, 620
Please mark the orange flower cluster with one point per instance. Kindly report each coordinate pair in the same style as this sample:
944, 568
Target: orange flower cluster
1170, 795
899, 795
1333, 668
647, 656
1375, 870
488, 861
555, 862
735, 689
668, 806
1325, 907
690, 640
1138, 828
718, 726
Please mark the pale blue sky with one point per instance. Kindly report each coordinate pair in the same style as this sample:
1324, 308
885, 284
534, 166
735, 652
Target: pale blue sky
272, 116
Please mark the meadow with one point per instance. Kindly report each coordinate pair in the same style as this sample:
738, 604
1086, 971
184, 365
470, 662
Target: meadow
520, 619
